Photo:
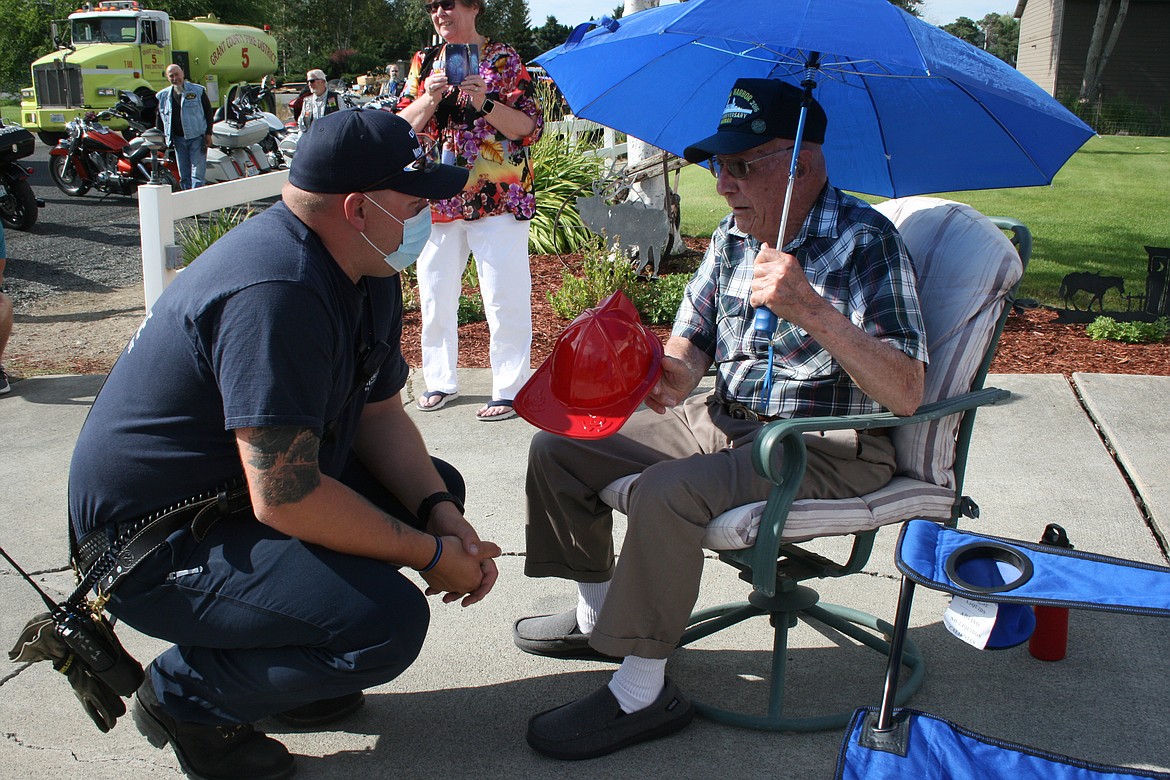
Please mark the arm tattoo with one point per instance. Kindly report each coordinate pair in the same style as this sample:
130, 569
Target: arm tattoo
286, 459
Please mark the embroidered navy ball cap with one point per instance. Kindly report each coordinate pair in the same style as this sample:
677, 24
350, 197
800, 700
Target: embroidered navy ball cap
362, 150
757, 111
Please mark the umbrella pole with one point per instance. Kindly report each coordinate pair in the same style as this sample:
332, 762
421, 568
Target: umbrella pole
765, 320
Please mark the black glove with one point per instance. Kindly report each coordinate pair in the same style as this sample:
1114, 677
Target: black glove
39, 641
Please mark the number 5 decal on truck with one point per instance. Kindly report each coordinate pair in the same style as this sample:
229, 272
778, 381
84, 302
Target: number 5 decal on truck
244, 55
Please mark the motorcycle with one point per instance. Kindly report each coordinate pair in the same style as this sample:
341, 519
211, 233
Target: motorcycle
93, 156
288, 143
246, 139
18, 204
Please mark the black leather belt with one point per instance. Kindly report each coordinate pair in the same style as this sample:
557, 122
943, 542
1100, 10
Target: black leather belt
103, 557
738, 411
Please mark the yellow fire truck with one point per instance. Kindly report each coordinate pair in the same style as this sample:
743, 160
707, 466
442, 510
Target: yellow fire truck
117, 45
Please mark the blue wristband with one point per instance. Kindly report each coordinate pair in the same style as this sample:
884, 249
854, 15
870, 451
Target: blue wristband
435, 560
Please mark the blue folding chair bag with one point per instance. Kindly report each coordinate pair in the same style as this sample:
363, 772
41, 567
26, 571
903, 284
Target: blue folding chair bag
929, 555
937, 749
888, 743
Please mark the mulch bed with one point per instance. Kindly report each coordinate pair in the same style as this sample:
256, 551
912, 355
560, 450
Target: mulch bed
1033, 341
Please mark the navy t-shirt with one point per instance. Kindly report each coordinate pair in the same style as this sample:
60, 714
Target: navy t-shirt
264, 329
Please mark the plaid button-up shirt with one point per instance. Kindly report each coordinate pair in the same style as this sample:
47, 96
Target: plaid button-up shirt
855, 259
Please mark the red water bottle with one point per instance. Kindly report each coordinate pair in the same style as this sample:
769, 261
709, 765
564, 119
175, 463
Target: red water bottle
1049, 641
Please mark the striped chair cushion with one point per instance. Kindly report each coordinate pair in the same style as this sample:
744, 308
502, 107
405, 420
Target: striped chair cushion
736, 528
966, 266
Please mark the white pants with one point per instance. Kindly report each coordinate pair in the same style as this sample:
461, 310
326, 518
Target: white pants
500, 245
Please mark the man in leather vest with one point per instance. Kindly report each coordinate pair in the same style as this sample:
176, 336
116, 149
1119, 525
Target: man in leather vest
185, 117
319, 101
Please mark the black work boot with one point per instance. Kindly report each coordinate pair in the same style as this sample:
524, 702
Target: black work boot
207, 752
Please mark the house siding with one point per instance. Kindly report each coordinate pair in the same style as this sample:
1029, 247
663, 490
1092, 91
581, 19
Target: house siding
1054, 41
1038, 56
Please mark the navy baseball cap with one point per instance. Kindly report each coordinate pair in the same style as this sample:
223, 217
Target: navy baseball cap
757, 111
360, 150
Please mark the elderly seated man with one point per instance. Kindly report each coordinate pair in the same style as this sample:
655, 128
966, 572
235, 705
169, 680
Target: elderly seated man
849, 339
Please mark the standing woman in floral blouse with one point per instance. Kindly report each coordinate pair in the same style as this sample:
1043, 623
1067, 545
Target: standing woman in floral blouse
486, 123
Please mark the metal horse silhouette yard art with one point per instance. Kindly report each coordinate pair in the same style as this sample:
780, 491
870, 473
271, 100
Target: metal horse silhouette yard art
631, 224
1144, 306
1093, 283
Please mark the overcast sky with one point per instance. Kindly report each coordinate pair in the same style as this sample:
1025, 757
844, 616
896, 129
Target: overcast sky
573, 12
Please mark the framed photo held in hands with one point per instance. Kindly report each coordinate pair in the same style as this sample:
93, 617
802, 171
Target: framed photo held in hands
460, 60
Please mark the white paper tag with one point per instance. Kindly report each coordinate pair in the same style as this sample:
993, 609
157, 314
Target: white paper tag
971, 621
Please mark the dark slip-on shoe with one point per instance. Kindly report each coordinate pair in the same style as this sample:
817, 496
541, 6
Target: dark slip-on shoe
556, 636
596, 725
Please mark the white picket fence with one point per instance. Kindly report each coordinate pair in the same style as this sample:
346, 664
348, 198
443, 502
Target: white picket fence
159, 209
574, 128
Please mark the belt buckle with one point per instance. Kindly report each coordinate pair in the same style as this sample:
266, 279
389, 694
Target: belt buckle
738, 411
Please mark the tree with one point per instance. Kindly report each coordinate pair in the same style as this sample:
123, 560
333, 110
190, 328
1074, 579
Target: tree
1001, 36
997, 34
965, 29
909, 6
551, 35
1101, 48
409, 30
348, 37
255, 14
507, 21
24, 37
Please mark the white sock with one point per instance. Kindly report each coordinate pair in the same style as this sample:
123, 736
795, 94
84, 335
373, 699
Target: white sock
638, 682
590, 597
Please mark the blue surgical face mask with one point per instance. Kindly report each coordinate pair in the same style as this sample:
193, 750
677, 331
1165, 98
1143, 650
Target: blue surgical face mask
415, 232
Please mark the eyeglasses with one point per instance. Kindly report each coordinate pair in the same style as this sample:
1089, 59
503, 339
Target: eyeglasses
426, 162
446, 5
312, 80
739, 169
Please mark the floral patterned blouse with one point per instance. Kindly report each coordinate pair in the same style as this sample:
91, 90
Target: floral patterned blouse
502, 179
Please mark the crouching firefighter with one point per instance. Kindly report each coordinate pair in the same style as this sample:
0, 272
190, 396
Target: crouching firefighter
250, 466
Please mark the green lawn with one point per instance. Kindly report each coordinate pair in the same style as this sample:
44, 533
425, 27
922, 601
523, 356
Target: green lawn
1107, 203
11, 113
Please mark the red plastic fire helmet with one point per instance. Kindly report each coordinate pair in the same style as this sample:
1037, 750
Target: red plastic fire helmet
602, 366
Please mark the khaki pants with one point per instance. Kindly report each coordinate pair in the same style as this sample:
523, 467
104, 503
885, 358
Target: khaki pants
695, 463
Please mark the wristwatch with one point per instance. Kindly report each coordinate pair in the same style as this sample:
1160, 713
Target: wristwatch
424, 509
487, 107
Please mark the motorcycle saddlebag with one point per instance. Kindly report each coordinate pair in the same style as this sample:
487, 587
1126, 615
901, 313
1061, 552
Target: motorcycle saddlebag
251, 132
15, 143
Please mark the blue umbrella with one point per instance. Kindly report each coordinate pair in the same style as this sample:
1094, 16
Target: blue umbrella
911, 108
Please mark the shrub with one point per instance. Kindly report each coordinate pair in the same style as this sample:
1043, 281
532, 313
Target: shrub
601, 275
196, 238
660, 298
1118, 115
1129, 332
409, 288
562, 173
657, 299
471, 309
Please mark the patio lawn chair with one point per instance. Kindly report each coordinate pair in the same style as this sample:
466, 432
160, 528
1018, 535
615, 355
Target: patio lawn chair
884, 743
968, 271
